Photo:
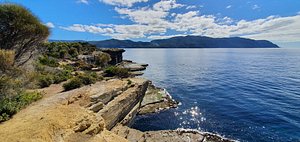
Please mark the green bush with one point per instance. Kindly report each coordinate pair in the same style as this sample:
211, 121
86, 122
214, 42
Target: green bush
116, 71
87, 79
48, 78
61, 76
80, 80
68, 68
10, 106
45, 60
9, 86
129, 82
45, 80
73, 84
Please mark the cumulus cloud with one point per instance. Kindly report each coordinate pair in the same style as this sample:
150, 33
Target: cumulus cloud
50, 25
127, 3
83, 1
88, 28
154, 22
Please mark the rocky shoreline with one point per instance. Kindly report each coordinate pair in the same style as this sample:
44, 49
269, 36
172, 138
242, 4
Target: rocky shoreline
101, 112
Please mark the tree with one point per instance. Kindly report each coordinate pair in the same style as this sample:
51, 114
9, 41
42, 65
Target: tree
20, 31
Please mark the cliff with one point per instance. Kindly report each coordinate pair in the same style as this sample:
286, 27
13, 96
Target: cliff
188, 42
99, 112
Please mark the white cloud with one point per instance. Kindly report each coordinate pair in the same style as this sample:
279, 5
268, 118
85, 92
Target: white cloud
127, 3
143, 15
191, 7
154, 22
279, 29
166, 5
229, 6
88, 28
225, 21
50, 25
254, 7
83, 1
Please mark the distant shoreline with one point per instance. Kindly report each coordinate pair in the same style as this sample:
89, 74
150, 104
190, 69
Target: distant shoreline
183, 42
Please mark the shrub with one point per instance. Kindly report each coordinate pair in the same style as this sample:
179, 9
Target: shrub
45, 80
73, 52
87, 79
20, 31
117, 71
51, 62
7, 58
61, 76
102, 59
129, 82
27, 98
9, 86
82, 65
73, 84
63, 53
10, 106
68, 68
80, 80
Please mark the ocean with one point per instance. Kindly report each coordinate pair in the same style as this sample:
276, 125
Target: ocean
243, 94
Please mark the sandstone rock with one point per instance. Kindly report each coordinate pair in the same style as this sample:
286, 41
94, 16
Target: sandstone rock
156, 99
81, 126
96, 107
119, 107
132, 66
105, 97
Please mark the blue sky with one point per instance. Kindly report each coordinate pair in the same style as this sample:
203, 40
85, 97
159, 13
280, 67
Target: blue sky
274, 20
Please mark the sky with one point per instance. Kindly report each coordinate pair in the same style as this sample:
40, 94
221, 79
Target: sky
145, 20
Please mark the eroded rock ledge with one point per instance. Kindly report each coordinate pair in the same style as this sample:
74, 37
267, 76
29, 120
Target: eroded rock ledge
100, 112
156, 99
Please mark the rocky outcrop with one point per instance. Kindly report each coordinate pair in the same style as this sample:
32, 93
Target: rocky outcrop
156, 99
77, 115
115, 54
100, 112
132, 66
118, 108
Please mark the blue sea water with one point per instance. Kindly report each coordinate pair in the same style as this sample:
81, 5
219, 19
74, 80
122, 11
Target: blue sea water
243, 94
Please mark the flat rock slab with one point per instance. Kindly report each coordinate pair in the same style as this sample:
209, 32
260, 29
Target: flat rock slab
156, 99
133, 66
134, 135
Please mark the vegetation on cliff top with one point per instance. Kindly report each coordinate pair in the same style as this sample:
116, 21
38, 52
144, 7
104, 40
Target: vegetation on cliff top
21, 34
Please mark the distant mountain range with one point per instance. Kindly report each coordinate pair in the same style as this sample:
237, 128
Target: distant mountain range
188, 42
